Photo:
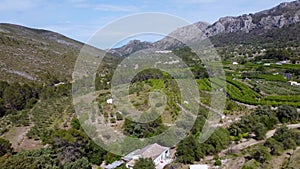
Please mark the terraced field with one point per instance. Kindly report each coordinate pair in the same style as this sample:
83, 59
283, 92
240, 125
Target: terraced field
243, 93
59, 111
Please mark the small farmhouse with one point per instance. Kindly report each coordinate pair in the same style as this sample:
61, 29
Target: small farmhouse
293, 83
109, 101
199, 166
154, 151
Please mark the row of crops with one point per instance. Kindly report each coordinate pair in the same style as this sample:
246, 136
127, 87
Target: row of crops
156, 84
170, 89
49, 114
204, 84
268, 77
241, 92
275, 88
15, 119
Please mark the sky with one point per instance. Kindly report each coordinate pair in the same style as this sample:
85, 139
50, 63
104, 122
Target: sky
80, 19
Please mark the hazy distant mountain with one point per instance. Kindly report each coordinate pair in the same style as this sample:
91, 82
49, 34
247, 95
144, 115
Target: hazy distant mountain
131, 47
167, 42
234, 29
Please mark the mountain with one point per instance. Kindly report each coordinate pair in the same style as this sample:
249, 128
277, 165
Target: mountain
167, 42
277, 17
185, 33
240, 29
131, 47
35, 55
248, 28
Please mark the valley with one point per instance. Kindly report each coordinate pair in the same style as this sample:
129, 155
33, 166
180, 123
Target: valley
45, 124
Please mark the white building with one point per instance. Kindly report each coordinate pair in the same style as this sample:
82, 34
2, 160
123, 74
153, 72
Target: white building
58, 84
163, 51
109, 101
235, 63
199, 166
154, 151
293, 83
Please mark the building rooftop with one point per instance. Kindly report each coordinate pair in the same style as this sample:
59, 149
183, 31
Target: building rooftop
151, 151
114, 165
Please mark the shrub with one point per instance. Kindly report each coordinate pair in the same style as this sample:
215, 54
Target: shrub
261, 154
276, 148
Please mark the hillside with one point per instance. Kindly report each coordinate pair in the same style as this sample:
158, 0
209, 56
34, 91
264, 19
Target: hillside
49, 125
34, 55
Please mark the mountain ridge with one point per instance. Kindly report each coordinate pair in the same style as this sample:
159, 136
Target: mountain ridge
278, 17
29, 54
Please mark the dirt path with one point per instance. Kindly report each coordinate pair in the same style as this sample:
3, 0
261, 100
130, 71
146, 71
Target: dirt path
252, 142
18, 136
234, 163
277, 161
249, 106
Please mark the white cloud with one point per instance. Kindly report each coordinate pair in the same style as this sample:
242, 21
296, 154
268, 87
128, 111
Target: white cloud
106, 7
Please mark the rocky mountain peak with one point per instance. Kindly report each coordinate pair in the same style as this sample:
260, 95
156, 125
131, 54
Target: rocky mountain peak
285, 14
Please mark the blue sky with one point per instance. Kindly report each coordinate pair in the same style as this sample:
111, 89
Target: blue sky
79, 19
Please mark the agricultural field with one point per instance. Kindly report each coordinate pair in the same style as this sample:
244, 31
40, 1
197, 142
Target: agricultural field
17, 119
59, 113
258, 84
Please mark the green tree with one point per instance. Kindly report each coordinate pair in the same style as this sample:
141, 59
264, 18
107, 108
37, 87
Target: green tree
75, 124
2, 107
13, 97
188, 150
289, 143
281, 133
252, 164
219, 140
3, 86
234, 130
35, 159
260, 131
95, 153
287, 113
47, 92
70, 144
261, 154
142, 130
82, 163
144, 163
110, 158
5, 147
276, 148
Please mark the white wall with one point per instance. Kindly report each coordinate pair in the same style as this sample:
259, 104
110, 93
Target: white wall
162, 156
